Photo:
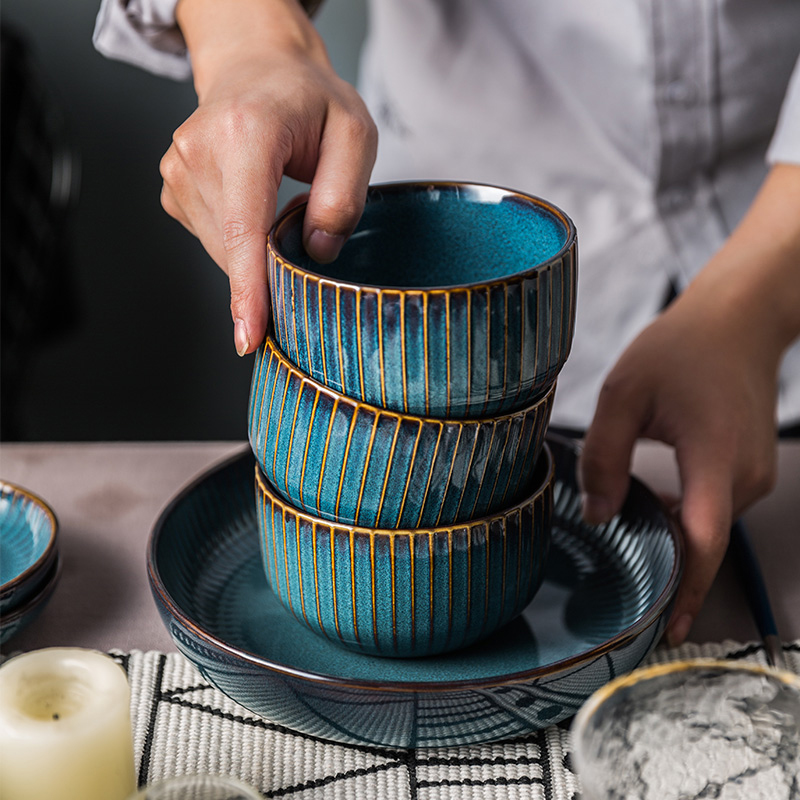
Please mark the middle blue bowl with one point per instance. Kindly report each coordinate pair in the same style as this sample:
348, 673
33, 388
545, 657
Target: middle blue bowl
353, 463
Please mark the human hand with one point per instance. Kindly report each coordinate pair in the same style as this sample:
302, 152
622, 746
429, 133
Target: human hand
703, 379
269, 104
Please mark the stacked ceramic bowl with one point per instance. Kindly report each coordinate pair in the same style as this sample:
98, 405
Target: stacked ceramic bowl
29, 561
398, 414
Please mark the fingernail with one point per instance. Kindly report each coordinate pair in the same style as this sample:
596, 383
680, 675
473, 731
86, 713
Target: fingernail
324, 247
679, 630
240, 337
595, 509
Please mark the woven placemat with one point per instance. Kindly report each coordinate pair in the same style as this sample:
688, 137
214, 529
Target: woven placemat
182, 725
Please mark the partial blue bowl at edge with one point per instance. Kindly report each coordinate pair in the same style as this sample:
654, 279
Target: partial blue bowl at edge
28, 545
451, 300
353, 463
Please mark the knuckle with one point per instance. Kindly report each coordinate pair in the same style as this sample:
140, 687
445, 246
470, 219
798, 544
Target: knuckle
236, 233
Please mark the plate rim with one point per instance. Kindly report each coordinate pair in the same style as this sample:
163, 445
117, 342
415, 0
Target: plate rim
645, 621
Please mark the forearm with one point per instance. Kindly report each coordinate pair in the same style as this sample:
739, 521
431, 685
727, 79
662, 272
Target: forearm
220, 34
752, 284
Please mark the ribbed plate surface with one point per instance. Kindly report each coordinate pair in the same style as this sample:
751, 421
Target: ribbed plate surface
602, 608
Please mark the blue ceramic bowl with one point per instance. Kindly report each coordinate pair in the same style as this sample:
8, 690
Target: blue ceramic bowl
407, 593
26, 611
28, 545
449, 300
356, 464
604, 603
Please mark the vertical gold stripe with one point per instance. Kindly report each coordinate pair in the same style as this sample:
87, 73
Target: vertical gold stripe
513, 469
300, 570
392, 561
485, 467
449, 582
488, 347
505, 343
509, 421
380, 348
325, 451
286, 562
261, 452
469, 347
469, 468
372, 576
486, 580
518, 581
322, 334
403, 349
291, 440
447, 344
358, 340
339, 335
430, 585
353, 587
449, 480
294, 323
308, 444
388, 470
333, 582
425, 348
316, 577
350, 429
430, 477
413, 591
366, 469
522, 331
274, 537
280, 425
307, 322
265, 526
408, 475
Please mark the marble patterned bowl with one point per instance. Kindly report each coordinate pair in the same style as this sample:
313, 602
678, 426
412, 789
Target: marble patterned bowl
449, 300
407, 593
353, 463
28, 545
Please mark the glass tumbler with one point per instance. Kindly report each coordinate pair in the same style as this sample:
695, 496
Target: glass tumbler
691, 729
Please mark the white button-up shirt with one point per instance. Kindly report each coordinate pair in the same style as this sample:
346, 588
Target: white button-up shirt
650, 122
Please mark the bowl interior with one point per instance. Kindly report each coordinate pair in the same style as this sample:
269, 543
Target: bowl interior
27, 533
436, 235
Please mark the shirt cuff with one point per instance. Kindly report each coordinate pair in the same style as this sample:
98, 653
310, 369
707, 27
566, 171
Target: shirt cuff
143, 33
785, 144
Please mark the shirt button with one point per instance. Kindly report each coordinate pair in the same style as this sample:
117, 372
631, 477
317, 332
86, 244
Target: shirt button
680, 92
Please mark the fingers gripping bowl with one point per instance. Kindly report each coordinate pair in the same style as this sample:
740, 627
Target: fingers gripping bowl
451, 300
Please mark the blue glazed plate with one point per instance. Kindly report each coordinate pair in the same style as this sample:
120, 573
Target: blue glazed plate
603, 606
28, 545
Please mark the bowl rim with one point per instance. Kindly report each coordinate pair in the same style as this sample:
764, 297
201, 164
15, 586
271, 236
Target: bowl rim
288, 216
266, 490
45, 559
644, 674
238, 654
288, 366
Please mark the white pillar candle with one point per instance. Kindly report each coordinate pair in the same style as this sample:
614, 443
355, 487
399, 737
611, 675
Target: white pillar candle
65, 727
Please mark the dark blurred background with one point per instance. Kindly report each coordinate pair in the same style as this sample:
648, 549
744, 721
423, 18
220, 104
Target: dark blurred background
115, 323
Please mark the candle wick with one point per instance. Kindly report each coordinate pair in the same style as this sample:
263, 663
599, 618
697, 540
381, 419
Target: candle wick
56, 716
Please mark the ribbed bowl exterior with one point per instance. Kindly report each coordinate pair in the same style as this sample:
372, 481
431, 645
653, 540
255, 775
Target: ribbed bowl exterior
357, 464
466, 351
406, 593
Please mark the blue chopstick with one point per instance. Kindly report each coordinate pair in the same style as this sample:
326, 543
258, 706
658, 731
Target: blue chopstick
756, 591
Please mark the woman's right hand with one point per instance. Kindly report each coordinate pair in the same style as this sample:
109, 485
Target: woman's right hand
269, 104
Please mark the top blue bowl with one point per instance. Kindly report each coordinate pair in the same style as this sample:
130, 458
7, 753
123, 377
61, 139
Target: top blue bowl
449, 300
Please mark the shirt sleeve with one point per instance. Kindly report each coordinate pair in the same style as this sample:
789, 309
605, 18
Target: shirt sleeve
143, 33
785, 144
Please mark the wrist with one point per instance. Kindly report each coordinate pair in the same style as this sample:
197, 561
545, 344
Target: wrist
220, 35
